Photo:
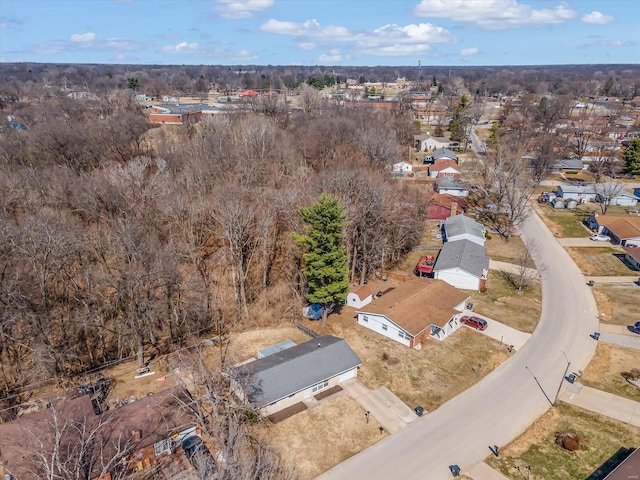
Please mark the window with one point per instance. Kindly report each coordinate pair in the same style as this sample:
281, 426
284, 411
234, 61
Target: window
320, 386
384, 327
400, 334
365, 318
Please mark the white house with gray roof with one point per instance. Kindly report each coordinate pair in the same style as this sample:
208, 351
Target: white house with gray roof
462, 264
460, 227
295, 374
580, 193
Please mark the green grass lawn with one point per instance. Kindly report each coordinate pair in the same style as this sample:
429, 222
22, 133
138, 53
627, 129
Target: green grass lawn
569, 222
602, 438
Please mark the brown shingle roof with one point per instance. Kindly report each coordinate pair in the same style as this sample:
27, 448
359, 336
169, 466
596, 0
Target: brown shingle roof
363, 292
633, 252
416, 304
621, 227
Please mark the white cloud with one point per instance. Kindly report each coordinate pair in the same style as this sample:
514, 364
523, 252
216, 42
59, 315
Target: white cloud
182, 47
83, 38
390, 39
334, 56
494, 14
469, 51
309, 29
119, 44
609, 43
597, 18
236, 9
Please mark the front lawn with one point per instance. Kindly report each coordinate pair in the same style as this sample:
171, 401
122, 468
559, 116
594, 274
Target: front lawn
600, 261
605, 371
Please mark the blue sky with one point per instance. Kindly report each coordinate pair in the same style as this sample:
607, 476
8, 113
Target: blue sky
328, 32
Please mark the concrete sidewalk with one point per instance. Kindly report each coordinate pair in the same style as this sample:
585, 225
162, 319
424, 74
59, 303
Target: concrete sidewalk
511, 268
501, 332
482, 471
630, 341
627, 279
385, 408
604, 403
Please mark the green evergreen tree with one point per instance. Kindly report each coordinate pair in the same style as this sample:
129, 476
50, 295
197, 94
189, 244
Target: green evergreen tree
631, 157
325, 258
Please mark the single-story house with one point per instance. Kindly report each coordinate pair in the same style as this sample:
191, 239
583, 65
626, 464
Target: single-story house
278, 347
360, 297
296, 374
402, 167
632, 255
582, 193
622, 230
452, 186
441, 206
622, 198
463, 228
568, 165
444, 167
415, 310
443, 153
141, 432
462, 264
426, 142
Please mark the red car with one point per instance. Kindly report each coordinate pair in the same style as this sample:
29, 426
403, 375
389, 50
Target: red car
474, 322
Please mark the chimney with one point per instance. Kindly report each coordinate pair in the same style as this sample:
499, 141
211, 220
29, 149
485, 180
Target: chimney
454, 208
135, 435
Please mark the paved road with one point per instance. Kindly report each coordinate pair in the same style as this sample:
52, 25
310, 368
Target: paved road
500, 407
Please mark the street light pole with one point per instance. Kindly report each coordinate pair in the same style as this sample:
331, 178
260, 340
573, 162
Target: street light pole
563, 377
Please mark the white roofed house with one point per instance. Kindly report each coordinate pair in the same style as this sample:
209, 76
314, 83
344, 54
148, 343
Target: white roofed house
402, 167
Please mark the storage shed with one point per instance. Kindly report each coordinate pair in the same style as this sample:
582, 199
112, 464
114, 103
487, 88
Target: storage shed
360, 297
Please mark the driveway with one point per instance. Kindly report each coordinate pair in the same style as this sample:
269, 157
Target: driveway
584, 242
512, 268
630, 341
500, 407
385, 408
503, 333
603, 403
622, 280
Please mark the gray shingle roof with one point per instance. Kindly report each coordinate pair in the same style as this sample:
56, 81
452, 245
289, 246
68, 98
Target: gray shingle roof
464, 254
459, 225
451, 183
444, 153
292, 370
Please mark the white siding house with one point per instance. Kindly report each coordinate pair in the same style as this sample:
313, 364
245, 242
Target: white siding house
452, 186
414, 311
462, 264
460, 227
402, 167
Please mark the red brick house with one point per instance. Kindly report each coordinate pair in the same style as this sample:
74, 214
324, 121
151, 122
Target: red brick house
441, 206
444, 167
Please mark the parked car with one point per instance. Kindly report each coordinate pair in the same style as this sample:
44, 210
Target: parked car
474, 322
636, 327
600, 238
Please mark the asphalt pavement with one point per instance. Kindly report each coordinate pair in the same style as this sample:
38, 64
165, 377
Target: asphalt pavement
503, 405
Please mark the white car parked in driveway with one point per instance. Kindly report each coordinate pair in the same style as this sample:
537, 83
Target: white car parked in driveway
599, 238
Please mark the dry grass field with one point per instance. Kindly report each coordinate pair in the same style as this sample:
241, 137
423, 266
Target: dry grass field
599, 261
316, 440
620, 305
602, 437
606, 368
506, 251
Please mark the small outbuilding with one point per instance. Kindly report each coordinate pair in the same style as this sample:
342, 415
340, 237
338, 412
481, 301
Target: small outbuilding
360, 297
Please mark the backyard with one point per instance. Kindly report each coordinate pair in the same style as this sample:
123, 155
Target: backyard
601, 437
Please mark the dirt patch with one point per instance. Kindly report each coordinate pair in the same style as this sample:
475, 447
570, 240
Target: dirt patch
606, 369
245, 345
621, 305
316, 440
600, 438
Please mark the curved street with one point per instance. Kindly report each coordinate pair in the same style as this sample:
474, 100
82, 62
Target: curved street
502, 406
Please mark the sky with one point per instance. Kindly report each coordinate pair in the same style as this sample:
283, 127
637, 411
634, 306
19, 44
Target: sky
327, 32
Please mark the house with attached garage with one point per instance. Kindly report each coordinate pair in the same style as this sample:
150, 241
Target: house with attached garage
295, 374
462, 264
463, 228
414, 311
623, 231
579, 193
620, 198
